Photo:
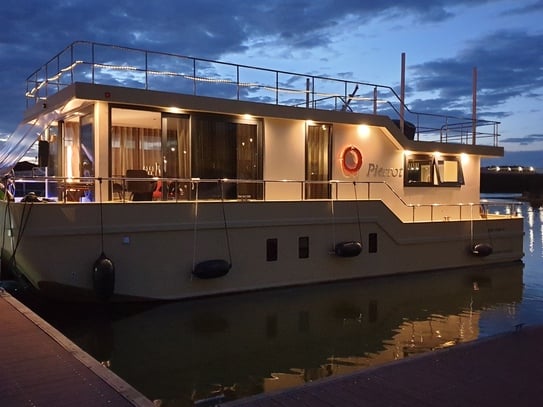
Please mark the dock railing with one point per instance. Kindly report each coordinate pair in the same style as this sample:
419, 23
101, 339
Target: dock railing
118, 190
106, 64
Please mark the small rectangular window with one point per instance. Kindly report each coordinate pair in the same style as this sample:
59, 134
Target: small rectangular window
271, 249
419, 170
303, 247
372, 243
427, 170
449, 171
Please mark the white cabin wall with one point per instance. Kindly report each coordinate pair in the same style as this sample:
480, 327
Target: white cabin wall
284, 158
440, 203
382, 162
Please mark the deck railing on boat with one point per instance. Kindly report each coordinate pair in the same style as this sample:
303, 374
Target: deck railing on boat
105, 64
121, 190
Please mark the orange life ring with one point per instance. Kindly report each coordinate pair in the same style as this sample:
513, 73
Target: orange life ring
351, 160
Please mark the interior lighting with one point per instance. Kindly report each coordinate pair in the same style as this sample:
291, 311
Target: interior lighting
464, 158
437, 154
407, 153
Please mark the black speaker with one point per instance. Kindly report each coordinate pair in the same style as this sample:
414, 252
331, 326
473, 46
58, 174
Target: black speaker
43, 153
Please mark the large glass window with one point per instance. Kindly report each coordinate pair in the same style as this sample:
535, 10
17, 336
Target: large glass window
428, 170
176, 155
223, 147
209, 147
136, 141
86, 147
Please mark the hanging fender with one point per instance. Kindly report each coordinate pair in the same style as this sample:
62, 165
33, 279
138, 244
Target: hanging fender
212, 269
103, 277
348, 249
481, 249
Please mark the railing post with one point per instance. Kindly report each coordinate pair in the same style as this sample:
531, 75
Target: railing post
146, 71
92, 63
72, 64
58, 70
194, 76
276, 87
307, 83
474, 109
375, 100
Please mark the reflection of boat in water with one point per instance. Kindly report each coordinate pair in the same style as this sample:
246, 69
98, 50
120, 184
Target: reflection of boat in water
257, 342
199, 177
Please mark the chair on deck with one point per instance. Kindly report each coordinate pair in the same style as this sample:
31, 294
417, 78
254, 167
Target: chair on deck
140, 190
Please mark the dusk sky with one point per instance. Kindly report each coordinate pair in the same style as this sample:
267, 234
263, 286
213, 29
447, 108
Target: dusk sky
360, 40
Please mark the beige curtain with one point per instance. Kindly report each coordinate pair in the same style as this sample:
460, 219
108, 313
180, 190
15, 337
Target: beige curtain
134, 148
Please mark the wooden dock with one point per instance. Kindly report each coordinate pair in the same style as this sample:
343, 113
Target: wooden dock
504, 370
40, 367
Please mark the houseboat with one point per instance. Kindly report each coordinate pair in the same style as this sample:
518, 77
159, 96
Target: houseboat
163, 177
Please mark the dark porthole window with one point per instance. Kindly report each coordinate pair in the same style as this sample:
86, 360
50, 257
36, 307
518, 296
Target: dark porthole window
372, 243
303, 247
271, 249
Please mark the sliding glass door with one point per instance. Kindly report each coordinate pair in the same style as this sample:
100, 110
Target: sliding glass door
318, 139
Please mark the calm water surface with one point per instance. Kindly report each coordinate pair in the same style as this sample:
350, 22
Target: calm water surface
236, 346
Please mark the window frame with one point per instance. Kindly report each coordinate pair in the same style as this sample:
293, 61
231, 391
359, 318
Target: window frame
437, 175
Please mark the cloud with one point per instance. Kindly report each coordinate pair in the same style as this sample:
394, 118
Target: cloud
524, 140
509, 63
32, 31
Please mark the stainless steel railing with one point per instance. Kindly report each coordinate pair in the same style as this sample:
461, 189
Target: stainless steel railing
106, 64
124, 190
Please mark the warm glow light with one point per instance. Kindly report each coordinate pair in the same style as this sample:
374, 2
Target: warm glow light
69, 156
173, 109
464, 158
247, 116
310, 122
363, 130
407, 153
437, 154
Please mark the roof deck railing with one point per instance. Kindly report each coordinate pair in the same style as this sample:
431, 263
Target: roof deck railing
105, 64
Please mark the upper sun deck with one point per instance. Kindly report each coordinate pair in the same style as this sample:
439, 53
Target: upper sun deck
104, 64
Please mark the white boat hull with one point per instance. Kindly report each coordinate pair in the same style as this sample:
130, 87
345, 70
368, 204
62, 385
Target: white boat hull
156, 246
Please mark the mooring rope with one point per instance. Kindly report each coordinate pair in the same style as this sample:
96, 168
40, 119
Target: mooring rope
357, 212
101, 217
225, 224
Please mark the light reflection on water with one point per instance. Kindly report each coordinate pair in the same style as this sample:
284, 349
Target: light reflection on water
252, 343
